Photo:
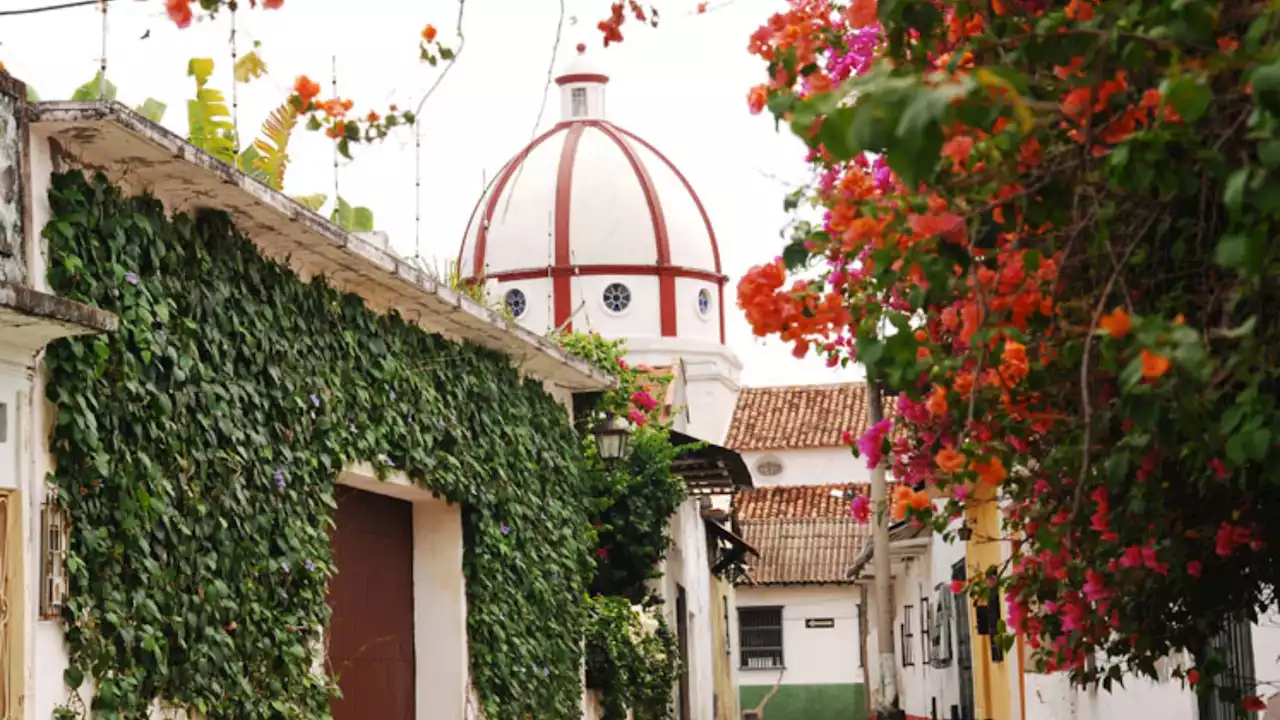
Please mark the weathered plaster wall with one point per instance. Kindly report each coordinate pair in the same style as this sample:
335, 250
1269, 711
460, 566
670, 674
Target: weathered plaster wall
686, 563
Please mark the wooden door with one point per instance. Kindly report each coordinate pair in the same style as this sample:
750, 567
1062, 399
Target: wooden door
371, 631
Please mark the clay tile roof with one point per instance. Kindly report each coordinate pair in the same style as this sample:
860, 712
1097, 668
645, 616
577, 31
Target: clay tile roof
810, 502
803, 534
798, 416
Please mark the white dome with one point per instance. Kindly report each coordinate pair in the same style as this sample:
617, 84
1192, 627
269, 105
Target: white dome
589, 206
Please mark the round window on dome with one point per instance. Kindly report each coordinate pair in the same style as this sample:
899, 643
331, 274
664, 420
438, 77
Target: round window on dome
516, 302
616, 297
704, 302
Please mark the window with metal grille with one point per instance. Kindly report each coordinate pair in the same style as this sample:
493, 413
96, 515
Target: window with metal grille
53, 578
926, 626
579, 99
760, 637
908, 637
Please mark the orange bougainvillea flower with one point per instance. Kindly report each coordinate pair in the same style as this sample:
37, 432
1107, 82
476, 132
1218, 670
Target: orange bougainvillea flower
990, 471
919, 501
272, 4
372, 117
901, 500
306, 88
938, 401
1116, 324
949, 460
429, 33
862, 13
179, 12
1153, 364
757, 98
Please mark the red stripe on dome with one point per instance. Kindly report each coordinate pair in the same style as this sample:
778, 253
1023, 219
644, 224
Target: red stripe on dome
582, 78
568, 271
482, 236
706, 219
666, 280
561, 289
472, 218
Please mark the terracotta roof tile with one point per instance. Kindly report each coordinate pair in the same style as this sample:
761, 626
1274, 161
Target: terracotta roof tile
804, 550
794, 501
803, 534
798, 416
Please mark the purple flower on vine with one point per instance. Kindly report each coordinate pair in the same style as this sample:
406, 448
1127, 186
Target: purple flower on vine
279, 478
309, 565
315, 400
131, 277
505, 529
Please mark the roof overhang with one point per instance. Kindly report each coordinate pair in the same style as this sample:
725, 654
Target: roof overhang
144, 156
733, 548
709, 469
30, 319
907, 541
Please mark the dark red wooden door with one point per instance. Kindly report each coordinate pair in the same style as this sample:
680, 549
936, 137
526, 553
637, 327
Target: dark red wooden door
371, 631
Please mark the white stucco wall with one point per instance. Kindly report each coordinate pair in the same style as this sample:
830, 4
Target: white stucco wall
1050, 697
810, 466
686, 563
817, 656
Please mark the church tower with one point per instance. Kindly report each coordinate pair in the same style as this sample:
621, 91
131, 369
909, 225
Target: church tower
591, 228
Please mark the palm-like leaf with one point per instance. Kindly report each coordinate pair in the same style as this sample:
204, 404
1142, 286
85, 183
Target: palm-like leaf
273, 147
209, 124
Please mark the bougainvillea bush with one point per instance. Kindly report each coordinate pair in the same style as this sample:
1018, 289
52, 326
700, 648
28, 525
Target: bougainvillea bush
1060, 253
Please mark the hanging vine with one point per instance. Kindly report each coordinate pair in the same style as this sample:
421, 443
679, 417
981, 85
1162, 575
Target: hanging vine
196, 451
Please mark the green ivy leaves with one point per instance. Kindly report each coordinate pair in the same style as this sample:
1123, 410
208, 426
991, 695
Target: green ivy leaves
196, 451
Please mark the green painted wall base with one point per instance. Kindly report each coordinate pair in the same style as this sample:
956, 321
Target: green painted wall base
808, 702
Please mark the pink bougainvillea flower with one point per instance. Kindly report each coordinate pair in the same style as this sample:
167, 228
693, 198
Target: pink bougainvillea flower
1253, 703
643, 400
860, 508
1194, 568
957, 586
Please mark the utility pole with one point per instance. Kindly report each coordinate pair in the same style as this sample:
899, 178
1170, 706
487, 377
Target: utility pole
886, 695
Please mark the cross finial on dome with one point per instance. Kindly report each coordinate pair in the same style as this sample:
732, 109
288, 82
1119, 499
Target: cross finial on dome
582, 88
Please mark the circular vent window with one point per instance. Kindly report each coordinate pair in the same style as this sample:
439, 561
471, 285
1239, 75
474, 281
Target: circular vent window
769, 467
616, 297
516, 302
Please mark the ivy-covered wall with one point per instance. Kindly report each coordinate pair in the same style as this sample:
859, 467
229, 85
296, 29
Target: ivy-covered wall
196, 451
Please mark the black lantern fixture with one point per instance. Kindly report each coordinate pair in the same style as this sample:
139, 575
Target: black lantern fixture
964, 533
612, 435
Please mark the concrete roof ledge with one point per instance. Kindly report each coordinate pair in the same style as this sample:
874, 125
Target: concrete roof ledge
143, 156
30, 319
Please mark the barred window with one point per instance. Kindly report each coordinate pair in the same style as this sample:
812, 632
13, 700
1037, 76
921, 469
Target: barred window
908, 637
926, 630
760, 637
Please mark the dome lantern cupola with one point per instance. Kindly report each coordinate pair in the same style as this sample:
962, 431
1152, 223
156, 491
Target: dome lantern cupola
582, 89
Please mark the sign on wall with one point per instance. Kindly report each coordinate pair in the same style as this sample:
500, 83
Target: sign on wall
819, 623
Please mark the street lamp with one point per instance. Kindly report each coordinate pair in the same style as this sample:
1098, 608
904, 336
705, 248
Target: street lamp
612, 435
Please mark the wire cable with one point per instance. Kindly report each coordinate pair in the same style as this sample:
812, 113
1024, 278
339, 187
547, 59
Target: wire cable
50, 8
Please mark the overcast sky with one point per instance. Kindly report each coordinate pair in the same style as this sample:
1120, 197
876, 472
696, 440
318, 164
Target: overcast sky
682, 87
